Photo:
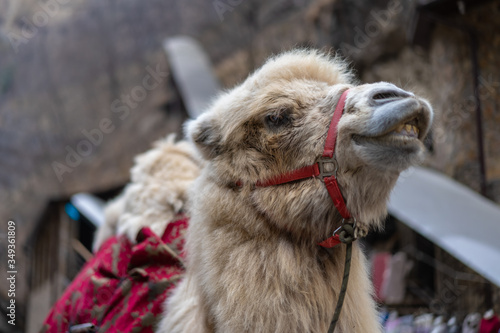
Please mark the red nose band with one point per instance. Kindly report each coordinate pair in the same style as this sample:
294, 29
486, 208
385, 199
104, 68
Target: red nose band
318, 170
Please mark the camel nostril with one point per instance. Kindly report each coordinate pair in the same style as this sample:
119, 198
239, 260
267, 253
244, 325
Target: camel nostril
385, 95
389, 95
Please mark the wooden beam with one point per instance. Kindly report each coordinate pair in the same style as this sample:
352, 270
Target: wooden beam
81, 249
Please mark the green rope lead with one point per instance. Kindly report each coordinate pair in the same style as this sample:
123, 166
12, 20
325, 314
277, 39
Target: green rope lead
346, 236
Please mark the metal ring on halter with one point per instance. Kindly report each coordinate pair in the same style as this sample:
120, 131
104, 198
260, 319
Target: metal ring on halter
322, 161
351, 219
343, 223
354, 223
336, 230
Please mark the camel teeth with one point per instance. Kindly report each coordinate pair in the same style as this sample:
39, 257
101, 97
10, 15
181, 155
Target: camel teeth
407, 129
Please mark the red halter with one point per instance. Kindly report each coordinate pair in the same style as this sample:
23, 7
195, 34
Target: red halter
318, 169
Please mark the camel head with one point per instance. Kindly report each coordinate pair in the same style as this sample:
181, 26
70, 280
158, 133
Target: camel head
277, 121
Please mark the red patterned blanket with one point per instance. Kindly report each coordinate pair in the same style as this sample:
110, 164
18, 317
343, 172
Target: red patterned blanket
123, 288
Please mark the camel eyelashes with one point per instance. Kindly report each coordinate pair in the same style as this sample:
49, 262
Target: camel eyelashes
276, 120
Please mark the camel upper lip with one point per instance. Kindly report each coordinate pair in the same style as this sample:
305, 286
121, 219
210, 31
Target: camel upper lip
413, 126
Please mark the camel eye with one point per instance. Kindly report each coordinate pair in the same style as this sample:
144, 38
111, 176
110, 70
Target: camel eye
277, 120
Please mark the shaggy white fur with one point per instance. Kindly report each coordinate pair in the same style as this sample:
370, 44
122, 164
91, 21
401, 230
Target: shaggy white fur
157, 191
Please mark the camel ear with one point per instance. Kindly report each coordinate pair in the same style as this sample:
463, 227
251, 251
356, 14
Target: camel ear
206, 136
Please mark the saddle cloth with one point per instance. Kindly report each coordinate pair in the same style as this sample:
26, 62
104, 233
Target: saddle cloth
123, 287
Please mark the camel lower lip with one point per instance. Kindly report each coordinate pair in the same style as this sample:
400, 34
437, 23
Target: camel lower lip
404, 134
398, 137
390, 139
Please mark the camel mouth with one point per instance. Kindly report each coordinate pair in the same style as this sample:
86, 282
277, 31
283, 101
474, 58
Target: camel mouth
407, 129
408, 132
414, 125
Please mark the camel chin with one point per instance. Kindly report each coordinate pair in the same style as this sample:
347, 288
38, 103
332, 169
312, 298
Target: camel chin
391, 152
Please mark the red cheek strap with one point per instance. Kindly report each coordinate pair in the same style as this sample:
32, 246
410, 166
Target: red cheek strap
318, 170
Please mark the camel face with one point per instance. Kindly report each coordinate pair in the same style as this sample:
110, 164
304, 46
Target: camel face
278, 119
383, 127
